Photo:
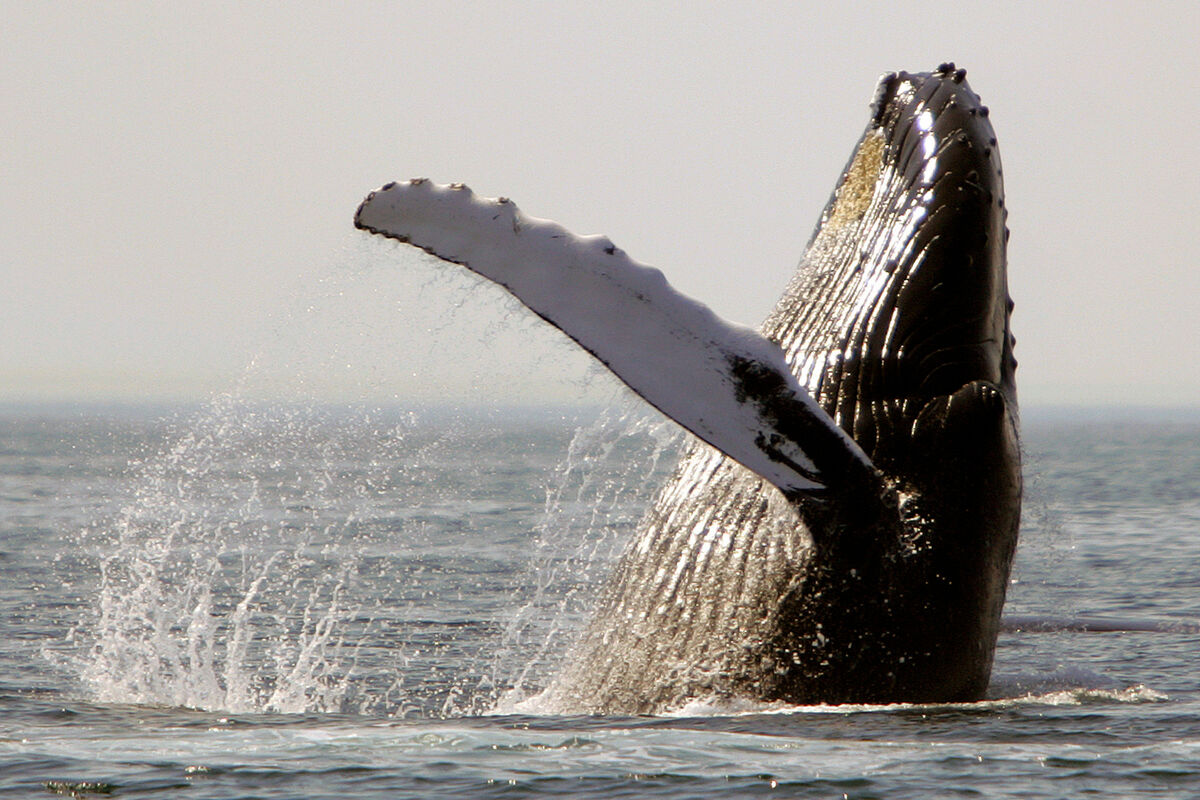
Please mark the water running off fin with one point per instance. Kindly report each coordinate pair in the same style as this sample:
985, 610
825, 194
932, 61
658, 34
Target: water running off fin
725, 383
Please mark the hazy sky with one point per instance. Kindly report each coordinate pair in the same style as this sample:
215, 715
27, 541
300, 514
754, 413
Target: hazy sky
178, 180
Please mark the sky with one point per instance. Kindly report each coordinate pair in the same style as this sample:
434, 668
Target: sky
178, 181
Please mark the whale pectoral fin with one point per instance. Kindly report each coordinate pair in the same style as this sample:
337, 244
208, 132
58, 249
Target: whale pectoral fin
723, 382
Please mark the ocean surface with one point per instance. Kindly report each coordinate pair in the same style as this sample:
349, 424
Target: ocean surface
257, 601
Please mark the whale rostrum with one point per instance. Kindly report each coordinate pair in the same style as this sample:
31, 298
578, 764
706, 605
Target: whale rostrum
843, 527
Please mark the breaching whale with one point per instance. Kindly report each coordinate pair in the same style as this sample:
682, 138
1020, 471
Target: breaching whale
842, 530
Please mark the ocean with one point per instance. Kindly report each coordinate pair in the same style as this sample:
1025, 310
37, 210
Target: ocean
285, 601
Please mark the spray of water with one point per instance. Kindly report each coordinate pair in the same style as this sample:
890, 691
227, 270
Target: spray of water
600, 491
226, 582
276, 556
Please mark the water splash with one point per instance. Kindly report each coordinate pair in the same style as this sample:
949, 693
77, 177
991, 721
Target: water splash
601, 490
291, 558
226, 580
277, 556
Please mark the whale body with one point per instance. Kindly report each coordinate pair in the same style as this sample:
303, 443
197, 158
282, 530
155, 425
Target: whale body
843, 527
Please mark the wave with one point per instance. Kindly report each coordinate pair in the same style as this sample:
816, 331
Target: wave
1069, 686
1090, 624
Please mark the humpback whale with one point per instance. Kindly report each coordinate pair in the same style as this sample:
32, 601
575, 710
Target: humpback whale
841, 529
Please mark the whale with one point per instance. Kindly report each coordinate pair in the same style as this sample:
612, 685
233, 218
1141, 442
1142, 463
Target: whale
841, 526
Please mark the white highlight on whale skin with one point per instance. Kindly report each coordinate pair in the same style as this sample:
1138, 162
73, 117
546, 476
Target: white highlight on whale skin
672, 350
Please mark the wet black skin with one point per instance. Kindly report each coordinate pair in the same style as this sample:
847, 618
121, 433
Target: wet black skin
887, 586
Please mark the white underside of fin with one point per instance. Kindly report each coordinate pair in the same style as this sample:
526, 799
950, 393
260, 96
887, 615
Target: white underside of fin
673, 351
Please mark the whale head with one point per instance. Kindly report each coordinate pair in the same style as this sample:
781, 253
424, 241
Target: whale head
902, 296
898, 324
